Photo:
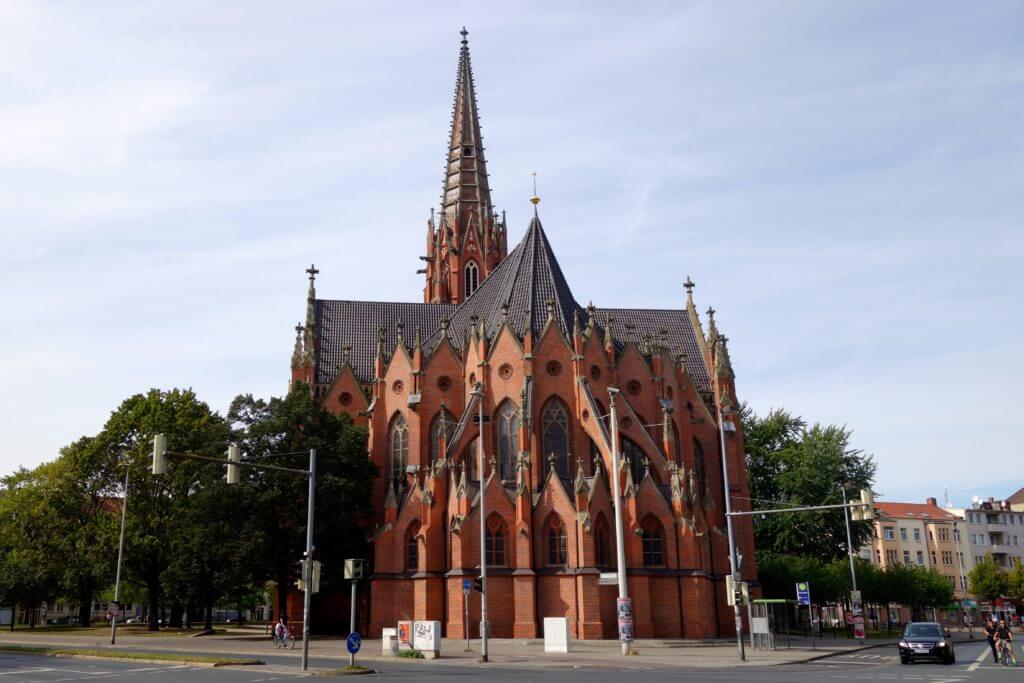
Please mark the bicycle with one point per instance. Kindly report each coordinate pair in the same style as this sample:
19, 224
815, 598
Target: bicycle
1007, 657
287, 640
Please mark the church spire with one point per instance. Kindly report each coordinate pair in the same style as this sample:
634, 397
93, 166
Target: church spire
467, 243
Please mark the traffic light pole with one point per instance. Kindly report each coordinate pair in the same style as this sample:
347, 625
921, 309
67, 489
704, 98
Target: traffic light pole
734, 568
308, 593
120, 556
160, 455
620, 543
849, 552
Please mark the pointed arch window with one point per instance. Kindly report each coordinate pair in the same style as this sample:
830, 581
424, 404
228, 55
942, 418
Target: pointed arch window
507, 435
602, 543
653, 541
495, 540
472, 278
412, 547
557, 544
698, 461
677, 451
554, 419
470, 457
635, 456
398, 442
435, 433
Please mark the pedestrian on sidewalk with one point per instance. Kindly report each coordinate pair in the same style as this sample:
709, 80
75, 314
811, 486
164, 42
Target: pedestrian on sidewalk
990, 633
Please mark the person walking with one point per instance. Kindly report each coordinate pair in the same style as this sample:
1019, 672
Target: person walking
990, 633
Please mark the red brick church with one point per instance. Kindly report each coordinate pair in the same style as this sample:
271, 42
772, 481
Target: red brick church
503, 327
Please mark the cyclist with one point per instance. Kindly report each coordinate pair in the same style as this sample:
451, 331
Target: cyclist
279, 629
1004, 639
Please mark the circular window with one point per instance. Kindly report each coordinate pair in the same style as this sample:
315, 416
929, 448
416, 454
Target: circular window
586, 415
345, 399
505, 371
553, 368
633, 387
444, 383
472, 378
626, 422
398, 386
595, 372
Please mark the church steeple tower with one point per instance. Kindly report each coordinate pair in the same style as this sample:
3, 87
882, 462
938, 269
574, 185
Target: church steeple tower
466, 242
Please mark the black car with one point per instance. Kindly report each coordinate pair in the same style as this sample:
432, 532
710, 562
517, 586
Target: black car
926, 640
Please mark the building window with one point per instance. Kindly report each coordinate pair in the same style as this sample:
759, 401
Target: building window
508, 439
444, 422
399, 442
903, 533
412, 547
494, 538
555, 435
878, 556
934, 562
890, 557
943, 534
917, 535
472, 278
920, 558
558, 550
698, 461
602, 547
947, 558
652, 541
677, 454
906, 557
889, 533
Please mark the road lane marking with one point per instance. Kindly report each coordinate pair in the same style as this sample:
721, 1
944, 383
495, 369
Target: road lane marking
985, 652
24, 671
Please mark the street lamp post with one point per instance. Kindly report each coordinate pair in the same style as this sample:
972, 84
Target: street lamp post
733, 562
620, 544
483, 525
849, 552
120, 556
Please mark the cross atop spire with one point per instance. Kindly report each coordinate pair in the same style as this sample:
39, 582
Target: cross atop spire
312, 272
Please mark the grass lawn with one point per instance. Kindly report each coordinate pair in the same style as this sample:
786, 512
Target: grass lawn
345, 671
124, 654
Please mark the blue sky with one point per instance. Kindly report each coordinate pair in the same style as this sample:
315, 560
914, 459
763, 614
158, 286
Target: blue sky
842, 181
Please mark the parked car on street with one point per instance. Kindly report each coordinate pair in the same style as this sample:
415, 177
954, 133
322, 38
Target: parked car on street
925, 640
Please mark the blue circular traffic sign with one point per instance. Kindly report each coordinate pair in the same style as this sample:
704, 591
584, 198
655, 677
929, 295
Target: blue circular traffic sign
353, 643
467, 585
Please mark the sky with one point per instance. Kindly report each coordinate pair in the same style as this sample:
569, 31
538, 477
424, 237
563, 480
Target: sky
843, 181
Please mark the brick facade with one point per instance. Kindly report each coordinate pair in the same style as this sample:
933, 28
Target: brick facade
516, 345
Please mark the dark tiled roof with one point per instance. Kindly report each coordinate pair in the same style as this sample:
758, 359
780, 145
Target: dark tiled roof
526, 280
356, 323
679, 335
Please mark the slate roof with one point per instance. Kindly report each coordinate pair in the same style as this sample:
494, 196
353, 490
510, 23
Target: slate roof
679, 337
356, 323
526, 281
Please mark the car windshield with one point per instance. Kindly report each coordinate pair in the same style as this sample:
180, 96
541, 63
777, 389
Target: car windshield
918, 630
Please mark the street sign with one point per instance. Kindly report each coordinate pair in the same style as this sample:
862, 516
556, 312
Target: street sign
467, 586
608, 579
353, 643
114, 609
803, 593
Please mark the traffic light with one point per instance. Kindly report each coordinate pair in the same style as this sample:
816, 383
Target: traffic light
159, 454
234, 455
478, 584
867, 499
301, 568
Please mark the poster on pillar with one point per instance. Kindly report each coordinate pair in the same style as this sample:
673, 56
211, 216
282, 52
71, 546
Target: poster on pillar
405, 635
624, 609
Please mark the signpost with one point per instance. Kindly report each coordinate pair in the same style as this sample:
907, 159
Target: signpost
353, 643
467, 588
353, 572
803, 597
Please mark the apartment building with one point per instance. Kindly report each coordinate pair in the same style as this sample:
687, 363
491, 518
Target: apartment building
994, 527
921, 534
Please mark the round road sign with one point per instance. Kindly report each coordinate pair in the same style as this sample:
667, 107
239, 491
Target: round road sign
353, 643
467, 586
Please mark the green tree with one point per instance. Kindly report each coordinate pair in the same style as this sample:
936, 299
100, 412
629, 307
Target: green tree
1015, 582
282, 431
155, 503
791, 465
988, 580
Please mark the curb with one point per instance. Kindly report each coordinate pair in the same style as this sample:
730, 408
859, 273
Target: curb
65, 655
862, 649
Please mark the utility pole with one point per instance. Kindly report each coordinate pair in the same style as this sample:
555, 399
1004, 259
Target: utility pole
849, 552
620, 544
484, 626
308, 594
733, 563
120, 556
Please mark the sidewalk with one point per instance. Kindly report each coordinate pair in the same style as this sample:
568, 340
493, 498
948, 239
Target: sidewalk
329, 652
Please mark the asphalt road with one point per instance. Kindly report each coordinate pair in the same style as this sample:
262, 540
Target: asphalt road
881, 664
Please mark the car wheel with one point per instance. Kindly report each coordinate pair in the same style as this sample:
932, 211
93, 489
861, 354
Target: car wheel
904, 660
